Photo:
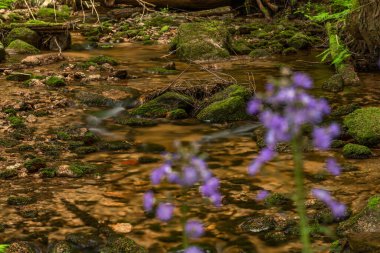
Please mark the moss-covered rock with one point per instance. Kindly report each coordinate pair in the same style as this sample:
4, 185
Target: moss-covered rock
289, 51
20, 200
8, 173
15, 121
19, 77
202, 41
162, 71
61, 13
102, 59
364, 125
356, 151
83, 241
160, 106
177, 114
55, 81
115, 145
122, 245
334, 83
240, 47
300, 41
137, 122
2, 52
48, 172
229, 109
259, 53
80, 169
35, 164
22, 33
21, 47
234, 90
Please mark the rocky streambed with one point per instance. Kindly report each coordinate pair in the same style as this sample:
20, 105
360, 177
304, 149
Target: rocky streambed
80, 134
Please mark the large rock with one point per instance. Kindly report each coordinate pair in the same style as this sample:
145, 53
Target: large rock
334, 83
24, 34
2, 52
202, 41
363, 229
226, 105
163, 104
364, 125
21, 47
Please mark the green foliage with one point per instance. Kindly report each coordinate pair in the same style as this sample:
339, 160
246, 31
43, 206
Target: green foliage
339, 59
62, 13
16, 121
55, 81
338, 10
6, 4
3, 247
373, 202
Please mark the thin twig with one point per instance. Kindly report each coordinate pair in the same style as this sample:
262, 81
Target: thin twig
30, 11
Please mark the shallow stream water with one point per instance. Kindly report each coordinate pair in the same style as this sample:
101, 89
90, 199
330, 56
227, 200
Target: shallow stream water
68, 205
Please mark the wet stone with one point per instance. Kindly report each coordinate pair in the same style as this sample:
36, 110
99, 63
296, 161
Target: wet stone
257, 224
83, 241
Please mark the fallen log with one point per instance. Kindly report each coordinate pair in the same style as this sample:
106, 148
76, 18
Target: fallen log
212, 12
179, 4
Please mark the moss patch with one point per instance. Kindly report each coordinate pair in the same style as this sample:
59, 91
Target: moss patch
102, 59
21, 47
20, 200
202, 41
55, 81
80, 170
22, 33
364, 125
160, 106
35, 164
356, 151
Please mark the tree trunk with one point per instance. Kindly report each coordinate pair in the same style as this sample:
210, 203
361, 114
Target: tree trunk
362, 34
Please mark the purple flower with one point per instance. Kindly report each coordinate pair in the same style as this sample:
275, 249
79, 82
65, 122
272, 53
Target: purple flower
254, 106
337, 209
264, 156
322, 137
210, 187
333, 167
194, 229
302, 80
148, 201
216, 199
158, 174
164, 211
190, 176
193, 249
261, 195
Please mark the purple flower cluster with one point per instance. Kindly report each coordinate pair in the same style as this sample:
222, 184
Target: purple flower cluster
284, 110
186, 170
338, 209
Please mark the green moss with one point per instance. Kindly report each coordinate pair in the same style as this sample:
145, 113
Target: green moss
49, 13
356, 151
159, 20
10, 111
20, 200
336, 247
19, 77
229, 109
177, 114
373, 202
240, 47
364, 125
93, 99
234, 90
35, 164
289, 51
24, 34
101, 59
15, 17
160, 106
48, 172
16, 122
86, 150
80, 169
8, 173
162, 71
300, 41
6, 4
259, 53
8, 142
277, 199
21, 47
55, 81
63, 136
202, 41
136, 122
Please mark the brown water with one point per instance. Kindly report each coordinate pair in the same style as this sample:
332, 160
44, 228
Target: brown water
115, 196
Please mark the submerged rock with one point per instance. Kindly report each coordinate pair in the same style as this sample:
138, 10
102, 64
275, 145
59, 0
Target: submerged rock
60, 247
300, 41
202, 41
334, 83
22, 247
43, 59
356, 151
364, 125
24, 34
363, 229
21, 47
122, 245
18, 76
83, 240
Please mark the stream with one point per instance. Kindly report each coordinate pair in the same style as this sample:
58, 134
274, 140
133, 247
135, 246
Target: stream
68, 205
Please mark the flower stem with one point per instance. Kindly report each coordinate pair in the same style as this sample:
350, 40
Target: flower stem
184, 210
300, 194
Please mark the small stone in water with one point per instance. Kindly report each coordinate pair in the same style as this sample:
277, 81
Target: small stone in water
123, 228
